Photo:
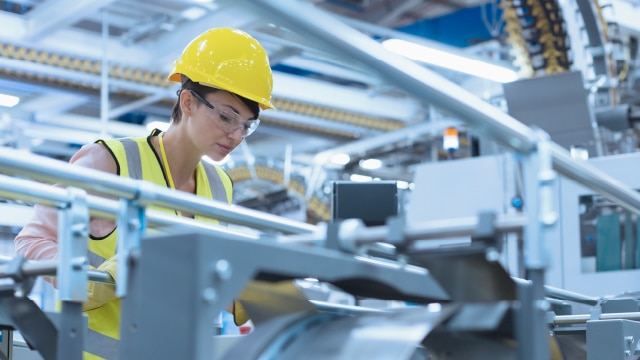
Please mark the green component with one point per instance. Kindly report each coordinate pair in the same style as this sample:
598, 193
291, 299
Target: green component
608, 244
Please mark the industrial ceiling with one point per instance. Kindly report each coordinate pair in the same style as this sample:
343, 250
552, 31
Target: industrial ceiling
54, 53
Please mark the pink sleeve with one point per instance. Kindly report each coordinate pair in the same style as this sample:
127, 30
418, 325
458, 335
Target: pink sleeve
38, 239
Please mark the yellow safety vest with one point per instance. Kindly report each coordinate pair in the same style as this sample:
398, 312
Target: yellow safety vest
136, 158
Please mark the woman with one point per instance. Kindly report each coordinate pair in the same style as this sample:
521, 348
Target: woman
226, 80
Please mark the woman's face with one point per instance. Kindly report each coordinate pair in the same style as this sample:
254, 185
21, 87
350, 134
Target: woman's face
217, 131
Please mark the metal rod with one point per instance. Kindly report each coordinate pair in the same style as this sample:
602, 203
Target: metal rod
20, 189
49, 170
438, 229
561, 294
104, 75
594, 178
583, 318
329, 33
343, 309
50, 268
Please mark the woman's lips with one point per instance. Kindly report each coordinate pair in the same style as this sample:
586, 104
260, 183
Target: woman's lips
224, 148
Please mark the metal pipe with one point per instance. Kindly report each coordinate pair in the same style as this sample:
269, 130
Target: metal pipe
329, 33
594, 178
378, 141
438, 229
104, 75
49, 170
50, 268
583, 318
20, 189
343, 309
561, 294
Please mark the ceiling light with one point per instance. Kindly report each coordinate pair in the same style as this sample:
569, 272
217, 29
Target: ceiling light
579, 153
193, 13
340, 159
360, 178
450, 61
9, 100
370, 164
401, 184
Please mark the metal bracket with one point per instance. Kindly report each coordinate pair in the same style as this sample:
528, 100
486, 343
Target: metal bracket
395, 235
612, 339
131, 224
539, 191
485, 232
22, 285
73, 231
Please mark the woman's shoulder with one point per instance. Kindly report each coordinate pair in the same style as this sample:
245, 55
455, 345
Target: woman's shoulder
95, 156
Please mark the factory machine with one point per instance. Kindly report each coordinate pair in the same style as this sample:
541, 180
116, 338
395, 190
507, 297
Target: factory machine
456, 291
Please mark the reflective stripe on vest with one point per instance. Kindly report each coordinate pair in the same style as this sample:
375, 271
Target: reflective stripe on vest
95, 260
101, 345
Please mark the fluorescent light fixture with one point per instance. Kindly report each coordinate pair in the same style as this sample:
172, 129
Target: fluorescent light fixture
360, 178
401, 184
9, 100
579, 153
193, 13
450, 61
340, 159
370, 164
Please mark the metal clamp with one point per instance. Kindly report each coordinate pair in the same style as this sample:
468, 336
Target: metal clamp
73, 231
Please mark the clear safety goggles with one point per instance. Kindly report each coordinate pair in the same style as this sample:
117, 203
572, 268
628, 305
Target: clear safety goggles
229, 121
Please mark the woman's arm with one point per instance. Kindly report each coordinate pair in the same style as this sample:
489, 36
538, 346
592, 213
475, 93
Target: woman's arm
38, 239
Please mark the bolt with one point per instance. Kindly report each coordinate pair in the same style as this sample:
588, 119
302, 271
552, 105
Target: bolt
209, 295
134, 224
223, 269
492, 255
78, 263
79, 230
544, 305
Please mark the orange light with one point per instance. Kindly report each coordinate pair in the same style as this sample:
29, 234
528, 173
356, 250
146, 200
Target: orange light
451, 131
450, 140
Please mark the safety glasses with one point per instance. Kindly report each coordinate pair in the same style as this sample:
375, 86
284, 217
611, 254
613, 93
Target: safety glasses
229, 121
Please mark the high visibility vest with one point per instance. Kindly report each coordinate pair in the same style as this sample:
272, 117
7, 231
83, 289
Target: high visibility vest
135, 158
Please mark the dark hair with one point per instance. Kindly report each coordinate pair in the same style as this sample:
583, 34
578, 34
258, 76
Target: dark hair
204, 90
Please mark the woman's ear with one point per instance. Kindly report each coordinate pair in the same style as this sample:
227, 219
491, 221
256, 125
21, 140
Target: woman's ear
186, 101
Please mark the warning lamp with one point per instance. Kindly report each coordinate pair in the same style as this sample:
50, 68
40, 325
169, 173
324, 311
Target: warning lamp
450, 139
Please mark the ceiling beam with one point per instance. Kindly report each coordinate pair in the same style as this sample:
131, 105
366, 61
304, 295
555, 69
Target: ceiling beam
391, 18
53, 15
13, 26
167, 48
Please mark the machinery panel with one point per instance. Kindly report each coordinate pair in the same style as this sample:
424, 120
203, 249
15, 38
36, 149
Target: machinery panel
600, 239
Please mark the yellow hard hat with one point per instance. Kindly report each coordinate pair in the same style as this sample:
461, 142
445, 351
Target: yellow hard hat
228, 59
